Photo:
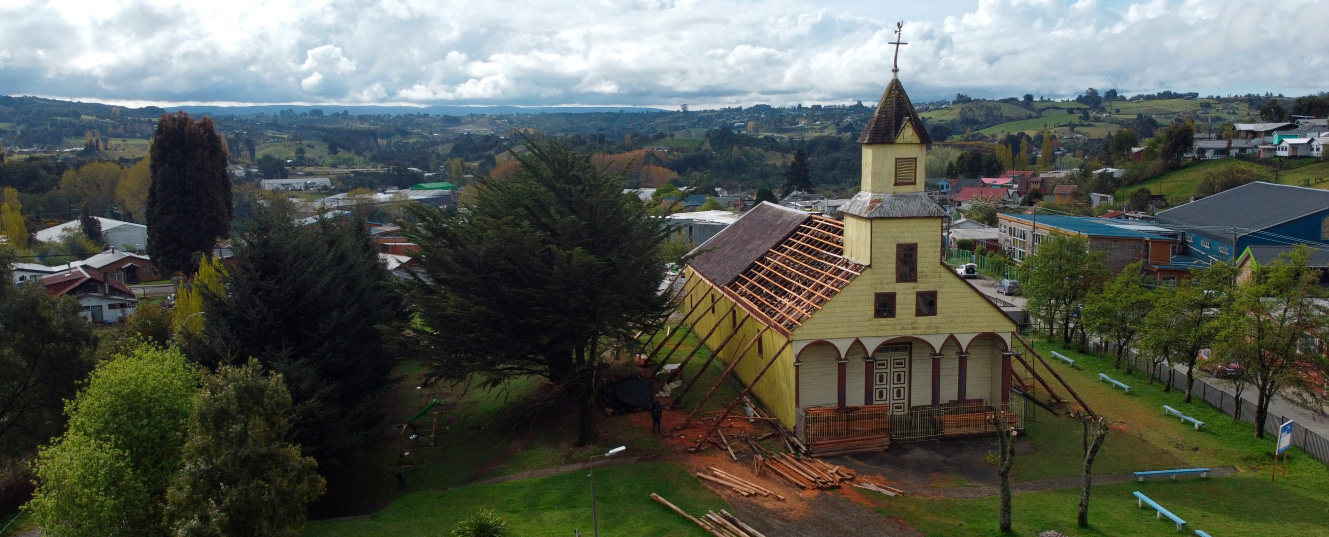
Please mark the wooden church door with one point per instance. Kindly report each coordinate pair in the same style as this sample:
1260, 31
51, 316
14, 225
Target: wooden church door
891, 377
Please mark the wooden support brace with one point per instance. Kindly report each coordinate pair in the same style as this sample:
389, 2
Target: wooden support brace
746, 391
705, 365
1058, 377
737, 358
667, 336
1037, 377
702, 343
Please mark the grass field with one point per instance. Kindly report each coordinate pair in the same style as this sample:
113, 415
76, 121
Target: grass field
553, 505
1179, 185
1005, 109
1144, 438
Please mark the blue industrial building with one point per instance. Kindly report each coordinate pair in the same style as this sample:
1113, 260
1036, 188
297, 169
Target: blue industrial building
1222, 226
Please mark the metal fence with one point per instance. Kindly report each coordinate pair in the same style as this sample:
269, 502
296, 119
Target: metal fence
1004, 269
1310, 442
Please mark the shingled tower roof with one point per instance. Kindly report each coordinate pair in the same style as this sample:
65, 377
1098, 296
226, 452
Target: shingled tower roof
892, 113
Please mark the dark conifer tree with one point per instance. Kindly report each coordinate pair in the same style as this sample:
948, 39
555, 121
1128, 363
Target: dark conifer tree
308, 302
189, 202
797, 176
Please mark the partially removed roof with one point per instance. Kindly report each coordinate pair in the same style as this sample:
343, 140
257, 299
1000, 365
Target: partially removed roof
730, 251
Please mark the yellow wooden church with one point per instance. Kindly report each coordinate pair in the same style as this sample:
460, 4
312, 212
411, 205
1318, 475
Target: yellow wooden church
855, 328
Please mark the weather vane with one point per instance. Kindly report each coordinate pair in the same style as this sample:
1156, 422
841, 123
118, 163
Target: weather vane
895, 69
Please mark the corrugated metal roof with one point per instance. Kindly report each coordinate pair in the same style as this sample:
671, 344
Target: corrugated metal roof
1265, 255
892, 113
729, 252
900, 205
1094, 227
1246, 209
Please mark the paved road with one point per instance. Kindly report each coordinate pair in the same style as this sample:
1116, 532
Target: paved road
1280, 407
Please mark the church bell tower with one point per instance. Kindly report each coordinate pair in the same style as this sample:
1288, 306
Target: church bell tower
894, 153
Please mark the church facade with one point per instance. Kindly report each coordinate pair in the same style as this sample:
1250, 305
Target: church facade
855, 329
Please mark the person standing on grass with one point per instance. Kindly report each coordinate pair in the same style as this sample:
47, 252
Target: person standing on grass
657, 412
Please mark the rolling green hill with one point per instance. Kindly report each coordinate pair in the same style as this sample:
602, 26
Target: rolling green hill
1180, 184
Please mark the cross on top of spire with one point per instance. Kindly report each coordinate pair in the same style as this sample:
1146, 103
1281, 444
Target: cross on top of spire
895, 68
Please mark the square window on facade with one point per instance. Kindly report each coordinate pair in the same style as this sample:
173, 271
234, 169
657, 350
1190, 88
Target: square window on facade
925, 304
906, 262
906, 171
884, 306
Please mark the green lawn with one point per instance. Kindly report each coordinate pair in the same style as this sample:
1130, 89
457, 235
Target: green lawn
953, 112
1143, 438
1314, 175
1049, 121
553, 505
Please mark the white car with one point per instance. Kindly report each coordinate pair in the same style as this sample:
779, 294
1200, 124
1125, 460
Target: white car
967, 270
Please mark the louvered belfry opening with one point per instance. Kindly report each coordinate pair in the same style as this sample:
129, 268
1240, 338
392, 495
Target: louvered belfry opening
794, 279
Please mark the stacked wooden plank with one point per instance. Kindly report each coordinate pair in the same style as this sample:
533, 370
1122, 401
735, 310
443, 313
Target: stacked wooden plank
972, 423
737, 484
722, 524
807, 473
849, 446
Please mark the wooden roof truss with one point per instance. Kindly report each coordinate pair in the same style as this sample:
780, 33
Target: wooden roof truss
793, 280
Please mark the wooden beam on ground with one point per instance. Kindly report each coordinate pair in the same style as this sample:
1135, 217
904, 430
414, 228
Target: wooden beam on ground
740, 397
732, 364
716, 352
718, 320
1068, 387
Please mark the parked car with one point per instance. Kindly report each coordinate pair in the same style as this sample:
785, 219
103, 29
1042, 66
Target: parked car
1216, 367
1008, 287
967, 270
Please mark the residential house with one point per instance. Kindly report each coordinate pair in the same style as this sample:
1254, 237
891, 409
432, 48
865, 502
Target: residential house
1123, 241
1220, 226
104, 299
1216, 149
983, 235
855, 320
399, 265
23, 272
1113, 215
1261, 132
124, 267
1064, 193
1317, 146
1294, 148
969, 194
116, 233
1096, 199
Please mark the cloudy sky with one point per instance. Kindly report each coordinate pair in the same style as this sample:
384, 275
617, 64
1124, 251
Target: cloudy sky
664, 53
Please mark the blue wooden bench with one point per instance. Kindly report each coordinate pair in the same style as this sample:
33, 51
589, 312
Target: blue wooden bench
1114, 382
1144, 500
1204, 472
1201, 533
1063, 358
1184, 418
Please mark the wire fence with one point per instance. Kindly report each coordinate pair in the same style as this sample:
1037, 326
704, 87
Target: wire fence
1310, 442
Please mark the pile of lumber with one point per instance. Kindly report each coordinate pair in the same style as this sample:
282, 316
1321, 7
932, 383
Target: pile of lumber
850, 446
720, 524
806, 473
791, 442
737, 484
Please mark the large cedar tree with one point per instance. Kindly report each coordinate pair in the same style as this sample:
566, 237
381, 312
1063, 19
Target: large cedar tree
189, 202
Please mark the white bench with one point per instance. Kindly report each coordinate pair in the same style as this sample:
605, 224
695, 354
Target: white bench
1204, 473
1184, 418
1143, 500
1063, 358
1114, 382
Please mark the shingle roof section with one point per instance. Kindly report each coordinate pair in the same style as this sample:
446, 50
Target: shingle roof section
732, 250
898, 205
1246, 209
893, 112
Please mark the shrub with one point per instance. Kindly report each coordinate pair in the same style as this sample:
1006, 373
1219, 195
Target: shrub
484, 523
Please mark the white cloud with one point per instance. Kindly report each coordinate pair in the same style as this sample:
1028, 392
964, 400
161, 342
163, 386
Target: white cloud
652, 52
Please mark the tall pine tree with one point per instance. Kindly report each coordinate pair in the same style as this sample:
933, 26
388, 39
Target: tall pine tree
307, 301
797, 176
189, 201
